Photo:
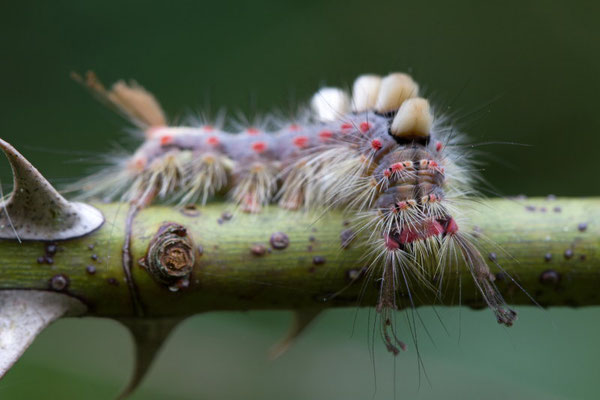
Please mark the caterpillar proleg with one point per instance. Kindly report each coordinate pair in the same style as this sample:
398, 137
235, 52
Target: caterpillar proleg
381, 153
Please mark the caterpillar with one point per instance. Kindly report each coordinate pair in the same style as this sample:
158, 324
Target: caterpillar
382, 154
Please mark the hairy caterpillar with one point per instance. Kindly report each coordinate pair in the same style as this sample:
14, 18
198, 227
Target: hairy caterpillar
380, 154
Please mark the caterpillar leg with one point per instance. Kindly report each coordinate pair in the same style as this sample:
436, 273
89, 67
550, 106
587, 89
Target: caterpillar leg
484, 280
254, 187
387, 304
205, 177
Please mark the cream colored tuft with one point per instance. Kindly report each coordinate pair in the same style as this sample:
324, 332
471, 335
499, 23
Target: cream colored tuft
129, 99
395, 89
364, 92
414, 119
330, 104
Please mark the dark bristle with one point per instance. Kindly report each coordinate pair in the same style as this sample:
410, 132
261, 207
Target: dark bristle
411, 141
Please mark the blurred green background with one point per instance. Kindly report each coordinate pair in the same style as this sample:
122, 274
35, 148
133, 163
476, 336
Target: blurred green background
525, 72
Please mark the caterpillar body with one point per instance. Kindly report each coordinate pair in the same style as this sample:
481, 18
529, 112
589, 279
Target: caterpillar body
380, 154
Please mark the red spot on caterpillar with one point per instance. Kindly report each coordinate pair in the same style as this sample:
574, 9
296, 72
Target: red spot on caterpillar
390, 243
300, 141
438, 146
387, 173
409, 235
295, 127
451, 226
138, 164
402, 205
208, 128
212, 140
346, 126
429, 228
433, 164
252, 131
397, 167
166, 139
325, 135
434, 228
376, 144
432, 198
364, 127
259, 146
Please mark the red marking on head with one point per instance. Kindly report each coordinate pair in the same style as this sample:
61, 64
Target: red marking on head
212, 140
208, 128
376, 144
259, 146
295, 127
300, 141
434, 228
433, 164
166, 139
397, 167
325, 135
438, 146
390, 243
346, 126
252, 131
451, 226
364, 127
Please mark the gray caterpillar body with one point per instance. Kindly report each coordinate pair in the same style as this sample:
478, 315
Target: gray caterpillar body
381, 154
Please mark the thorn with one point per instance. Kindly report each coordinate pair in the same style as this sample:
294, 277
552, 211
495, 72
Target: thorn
36, 211
300, 321
148, 337
24, 314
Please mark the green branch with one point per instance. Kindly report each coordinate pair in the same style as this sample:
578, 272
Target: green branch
549, 246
